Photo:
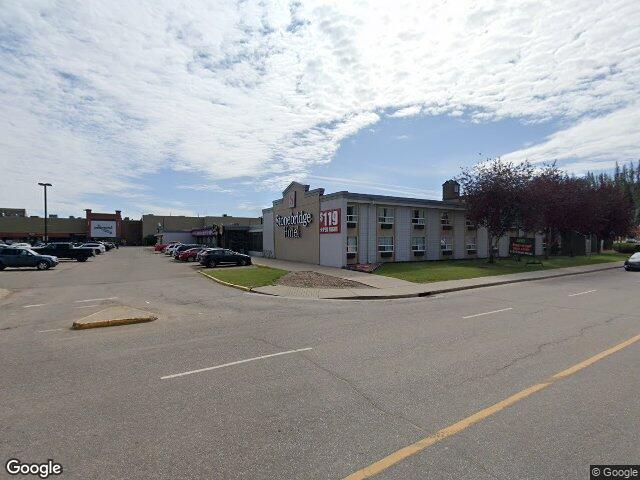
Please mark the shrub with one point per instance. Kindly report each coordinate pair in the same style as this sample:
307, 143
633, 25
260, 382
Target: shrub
623, 247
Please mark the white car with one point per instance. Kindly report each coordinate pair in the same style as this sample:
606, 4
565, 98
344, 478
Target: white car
98, 248
20, 245
171, 248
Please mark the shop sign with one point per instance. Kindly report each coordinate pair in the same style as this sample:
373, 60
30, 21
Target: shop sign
330, 221
522, 246
103, 229
292, 223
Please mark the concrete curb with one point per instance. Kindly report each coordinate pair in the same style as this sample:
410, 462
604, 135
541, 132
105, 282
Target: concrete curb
115, 316
227, 284
435, 291
111, 323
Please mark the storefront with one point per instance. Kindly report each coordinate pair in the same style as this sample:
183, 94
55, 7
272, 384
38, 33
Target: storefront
344, 228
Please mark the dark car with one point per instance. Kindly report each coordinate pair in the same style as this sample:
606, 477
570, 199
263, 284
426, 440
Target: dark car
65, 250
23, 257
633, 262
222, 256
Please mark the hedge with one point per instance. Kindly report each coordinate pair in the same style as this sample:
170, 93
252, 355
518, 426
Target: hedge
624, 247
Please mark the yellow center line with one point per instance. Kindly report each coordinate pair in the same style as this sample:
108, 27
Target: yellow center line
409, 450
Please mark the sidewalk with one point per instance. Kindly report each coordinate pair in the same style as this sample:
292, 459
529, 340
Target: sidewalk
389, 288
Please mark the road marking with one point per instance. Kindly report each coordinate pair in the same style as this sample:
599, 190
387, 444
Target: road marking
35, 305
417, 447
95, 300
88, 306
582, 293
234, 363
52, 330
488, 313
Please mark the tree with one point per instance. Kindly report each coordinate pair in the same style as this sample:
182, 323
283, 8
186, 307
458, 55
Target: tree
494, 193
614, 211
543, 206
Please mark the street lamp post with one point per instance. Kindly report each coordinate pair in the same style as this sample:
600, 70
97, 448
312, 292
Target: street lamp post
46, 216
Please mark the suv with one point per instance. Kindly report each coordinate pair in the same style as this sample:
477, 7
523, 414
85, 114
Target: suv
23, 257
222, 256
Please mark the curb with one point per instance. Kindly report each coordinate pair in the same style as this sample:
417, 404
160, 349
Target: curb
227, 284
453, 289
112, 323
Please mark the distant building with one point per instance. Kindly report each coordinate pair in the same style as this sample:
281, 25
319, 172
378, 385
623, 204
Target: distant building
13, 212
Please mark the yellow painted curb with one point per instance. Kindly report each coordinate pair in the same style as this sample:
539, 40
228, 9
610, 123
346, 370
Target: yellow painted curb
222, 282
77, 325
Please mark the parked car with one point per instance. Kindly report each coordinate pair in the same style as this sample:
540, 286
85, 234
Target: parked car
169, 250
203, 252
158, 247
222, 256
633, 262
24, 257
66, 250
98, 248
189, 255
177, 251
20, 245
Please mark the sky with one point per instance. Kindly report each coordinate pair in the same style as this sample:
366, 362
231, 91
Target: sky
211, 107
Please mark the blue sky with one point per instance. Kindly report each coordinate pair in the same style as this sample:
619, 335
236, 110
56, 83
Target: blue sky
152, 107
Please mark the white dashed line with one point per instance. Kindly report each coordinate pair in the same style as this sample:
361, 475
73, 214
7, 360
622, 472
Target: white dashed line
52, 330
234, 363
95, 300
89, 306
488, 313
582, 293
36, 305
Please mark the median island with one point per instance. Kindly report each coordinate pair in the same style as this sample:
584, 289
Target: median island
438, 271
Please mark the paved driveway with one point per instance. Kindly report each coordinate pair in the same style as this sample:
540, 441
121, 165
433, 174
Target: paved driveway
228, 384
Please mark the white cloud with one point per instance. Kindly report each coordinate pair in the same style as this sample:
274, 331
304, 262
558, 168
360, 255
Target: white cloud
212, 187
403, 137
406, 112
96, 95
383, 188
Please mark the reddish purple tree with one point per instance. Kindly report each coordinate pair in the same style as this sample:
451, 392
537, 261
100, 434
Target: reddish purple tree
494, 194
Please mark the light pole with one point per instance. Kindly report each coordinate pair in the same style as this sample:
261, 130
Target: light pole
46, 233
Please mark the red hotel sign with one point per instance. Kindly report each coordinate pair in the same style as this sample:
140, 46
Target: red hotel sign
330, 221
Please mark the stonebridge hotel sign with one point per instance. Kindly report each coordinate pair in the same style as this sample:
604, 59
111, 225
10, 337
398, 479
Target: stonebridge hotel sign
293, 222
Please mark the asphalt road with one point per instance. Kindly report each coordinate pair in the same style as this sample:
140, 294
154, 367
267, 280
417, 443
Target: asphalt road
376, 377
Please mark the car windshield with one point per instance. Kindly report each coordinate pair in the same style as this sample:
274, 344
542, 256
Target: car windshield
635, 256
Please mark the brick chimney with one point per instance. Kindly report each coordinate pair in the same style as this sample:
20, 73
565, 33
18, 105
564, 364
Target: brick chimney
450, 190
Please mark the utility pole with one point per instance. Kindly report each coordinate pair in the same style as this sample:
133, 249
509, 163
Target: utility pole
46, 215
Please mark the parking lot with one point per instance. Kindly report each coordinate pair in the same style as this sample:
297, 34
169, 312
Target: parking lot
230, 384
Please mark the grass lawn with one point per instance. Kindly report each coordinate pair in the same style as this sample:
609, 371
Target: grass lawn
252, 276
425, 272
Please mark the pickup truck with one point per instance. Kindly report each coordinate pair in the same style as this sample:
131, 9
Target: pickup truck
65, 250
23, 257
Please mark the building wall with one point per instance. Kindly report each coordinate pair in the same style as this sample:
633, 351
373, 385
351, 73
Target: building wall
433, 234
32, 227
13, 212
404, 232
363, 232
268, 247
307, 247
132, 231
459, 234
333, 246
179, 222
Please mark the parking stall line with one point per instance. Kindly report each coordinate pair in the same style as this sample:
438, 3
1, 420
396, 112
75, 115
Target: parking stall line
582, 293
88, 306
51, 330
35, 305
95, 300
417, 447
262, 357
488, 313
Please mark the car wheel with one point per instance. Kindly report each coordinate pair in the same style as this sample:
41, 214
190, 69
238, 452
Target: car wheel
191, 259
82, 259
2, 266
43, 266
242, 263
211, 264
626, 267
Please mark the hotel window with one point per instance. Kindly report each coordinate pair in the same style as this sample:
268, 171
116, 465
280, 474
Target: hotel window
385, 244
444, 220
418, 244
470, 225
352, 216
352, 244
471, 245
446, 244
385, 216
417, 218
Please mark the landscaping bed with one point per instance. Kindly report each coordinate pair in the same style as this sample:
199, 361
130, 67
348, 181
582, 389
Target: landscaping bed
436, 271
250, 277
317, 280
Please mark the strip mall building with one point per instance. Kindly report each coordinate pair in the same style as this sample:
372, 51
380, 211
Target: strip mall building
345, 228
